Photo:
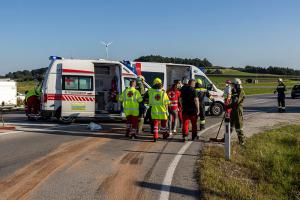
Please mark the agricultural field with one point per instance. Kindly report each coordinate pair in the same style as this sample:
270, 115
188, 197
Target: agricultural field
266, 83
25, 85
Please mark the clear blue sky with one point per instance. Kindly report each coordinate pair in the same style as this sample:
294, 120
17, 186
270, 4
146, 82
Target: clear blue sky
226, 32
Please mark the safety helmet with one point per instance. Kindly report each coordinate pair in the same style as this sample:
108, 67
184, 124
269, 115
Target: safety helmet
237, 81
199, 81
280, 80
228, 81
157, 81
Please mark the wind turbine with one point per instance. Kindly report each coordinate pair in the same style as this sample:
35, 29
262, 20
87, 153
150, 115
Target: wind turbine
106, 47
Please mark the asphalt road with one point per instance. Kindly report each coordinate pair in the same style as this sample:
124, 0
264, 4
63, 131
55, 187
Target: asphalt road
46, 160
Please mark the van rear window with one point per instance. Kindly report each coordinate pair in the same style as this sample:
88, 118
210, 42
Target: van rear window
150, 76
81, 83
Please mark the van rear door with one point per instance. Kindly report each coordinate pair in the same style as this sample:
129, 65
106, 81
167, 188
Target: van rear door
78, 94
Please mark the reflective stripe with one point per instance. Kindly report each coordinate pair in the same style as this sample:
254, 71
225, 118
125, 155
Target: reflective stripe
159, 113
279, 106
283, 107
202, 121
131, 109
280, 86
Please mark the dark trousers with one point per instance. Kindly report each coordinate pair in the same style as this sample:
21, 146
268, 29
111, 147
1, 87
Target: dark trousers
281, 102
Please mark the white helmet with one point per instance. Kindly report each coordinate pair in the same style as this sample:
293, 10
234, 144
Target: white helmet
280, 80
237, 81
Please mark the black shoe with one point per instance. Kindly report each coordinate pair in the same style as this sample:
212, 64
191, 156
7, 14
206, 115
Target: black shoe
165, 136
195, 137
202, 127
127, 135
154, 139
283, 110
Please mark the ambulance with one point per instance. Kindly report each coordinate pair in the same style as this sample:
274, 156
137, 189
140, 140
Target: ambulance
75, 88
169, 72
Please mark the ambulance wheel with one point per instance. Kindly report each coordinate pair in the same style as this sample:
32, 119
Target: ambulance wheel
67, 120
216, 109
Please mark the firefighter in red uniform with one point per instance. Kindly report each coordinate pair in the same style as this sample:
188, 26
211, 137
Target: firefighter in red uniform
173, 94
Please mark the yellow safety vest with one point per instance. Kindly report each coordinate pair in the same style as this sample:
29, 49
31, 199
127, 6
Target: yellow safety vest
158, 100
131, 98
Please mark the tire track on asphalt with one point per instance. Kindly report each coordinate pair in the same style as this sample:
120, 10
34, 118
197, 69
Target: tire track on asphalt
20, 184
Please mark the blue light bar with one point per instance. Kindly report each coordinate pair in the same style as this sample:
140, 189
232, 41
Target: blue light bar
55, 58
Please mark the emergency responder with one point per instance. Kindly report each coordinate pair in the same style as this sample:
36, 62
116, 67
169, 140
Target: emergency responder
202, 93
280, 95
190, 109
158, 101
173, 94
142, 108
131, 98
32, 100
236, 117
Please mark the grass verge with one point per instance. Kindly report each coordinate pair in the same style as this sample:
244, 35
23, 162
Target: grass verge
268, 167
25, 85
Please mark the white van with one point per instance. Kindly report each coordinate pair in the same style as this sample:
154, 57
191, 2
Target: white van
169, 72
8, 97
75, 88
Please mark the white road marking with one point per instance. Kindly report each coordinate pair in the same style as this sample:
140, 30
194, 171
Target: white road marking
167, 182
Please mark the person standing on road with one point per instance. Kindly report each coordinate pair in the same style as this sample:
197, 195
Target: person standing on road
159, 102
190, 109
131, 98
280, 95
236, 117
142, 108
202, 93
173, 94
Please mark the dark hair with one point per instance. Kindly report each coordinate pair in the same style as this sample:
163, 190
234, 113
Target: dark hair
131, 82
191, 80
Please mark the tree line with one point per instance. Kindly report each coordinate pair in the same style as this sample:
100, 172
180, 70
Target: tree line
270, 70
190, 61
27, 75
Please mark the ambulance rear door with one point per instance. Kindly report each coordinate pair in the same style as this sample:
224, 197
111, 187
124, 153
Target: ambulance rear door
78, 94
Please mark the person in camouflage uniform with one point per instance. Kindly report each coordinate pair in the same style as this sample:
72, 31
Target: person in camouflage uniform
236, 117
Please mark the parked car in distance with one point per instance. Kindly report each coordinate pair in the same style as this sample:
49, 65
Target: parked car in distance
295, 91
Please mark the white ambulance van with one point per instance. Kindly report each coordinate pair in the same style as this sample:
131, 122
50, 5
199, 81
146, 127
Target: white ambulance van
75, 88
8, 97
168, 72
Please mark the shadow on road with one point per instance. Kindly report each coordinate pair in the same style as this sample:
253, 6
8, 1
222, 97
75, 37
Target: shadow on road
265, 109
172, 189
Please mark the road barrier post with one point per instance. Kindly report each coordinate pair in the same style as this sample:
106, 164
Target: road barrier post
227, 140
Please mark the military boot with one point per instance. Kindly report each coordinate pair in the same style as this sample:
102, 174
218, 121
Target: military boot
241, 139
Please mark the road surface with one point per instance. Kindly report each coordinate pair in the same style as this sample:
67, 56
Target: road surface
46, 160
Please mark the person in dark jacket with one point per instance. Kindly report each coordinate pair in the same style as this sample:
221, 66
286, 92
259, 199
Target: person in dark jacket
280, 90
190, 109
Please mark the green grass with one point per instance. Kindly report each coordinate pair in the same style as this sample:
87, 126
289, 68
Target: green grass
268, 167
264, 85
25, 85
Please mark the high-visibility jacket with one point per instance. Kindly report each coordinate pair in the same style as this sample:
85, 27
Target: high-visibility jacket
159, 101
173, 95
131, 98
